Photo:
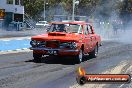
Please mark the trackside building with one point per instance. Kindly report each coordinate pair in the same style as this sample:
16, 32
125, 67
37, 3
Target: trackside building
11, 11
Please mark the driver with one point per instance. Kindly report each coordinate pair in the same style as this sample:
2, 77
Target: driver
61, 28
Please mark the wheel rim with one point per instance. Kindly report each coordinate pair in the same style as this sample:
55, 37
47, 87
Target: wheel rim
82, 81
96, 51
80, 56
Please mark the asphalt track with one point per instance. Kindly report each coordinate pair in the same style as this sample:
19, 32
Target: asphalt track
18, 70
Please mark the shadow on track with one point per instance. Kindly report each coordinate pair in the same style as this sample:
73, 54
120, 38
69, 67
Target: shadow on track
59, 60
55, 60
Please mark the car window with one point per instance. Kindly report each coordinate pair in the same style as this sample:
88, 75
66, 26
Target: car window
80, 29
74, 28
89, 28
86, 31
69, 28
57, 28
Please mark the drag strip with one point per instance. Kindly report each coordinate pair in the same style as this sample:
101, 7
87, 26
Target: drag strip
18, 70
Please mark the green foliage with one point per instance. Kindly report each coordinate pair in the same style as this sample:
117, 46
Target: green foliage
33, 7
85, 7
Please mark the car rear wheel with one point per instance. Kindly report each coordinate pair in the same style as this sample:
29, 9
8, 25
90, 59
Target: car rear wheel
94, 53
37, 57
79, 57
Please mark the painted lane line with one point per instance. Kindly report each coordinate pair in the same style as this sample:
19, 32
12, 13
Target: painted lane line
14, 40
21, 39
17, 38
5, 52
5, 40
18, 49
9, 50
124, 83
25, 48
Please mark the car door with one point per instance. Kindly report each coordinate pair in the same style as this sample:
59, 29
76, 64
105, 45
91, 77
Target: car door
87, 40
92, 37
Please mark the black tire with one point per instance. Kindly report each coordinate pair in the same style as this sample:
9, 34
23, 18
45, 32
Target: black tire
81, 80
79, 57
37, 57
94, 53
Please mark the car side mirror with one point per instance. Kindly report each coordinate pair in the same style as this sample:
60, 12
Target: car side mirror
92, 30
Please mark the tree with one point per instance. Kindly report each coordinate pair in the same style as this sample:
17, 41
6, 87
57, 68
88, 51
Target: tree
86, 7
33, 7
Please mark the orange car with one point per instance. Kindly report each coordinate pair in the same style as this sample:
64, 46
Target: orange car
66, 39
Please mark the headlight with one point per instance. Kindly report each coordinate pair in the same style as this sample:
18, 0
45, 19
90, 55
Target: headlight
68, 45
73, 45
33, 42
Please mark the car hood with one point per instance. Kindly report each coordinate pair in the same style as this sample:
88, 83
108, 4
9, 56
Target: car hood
58, 36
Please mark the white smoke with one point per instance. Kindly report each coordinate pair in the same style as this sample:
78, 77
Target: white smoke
126, 35
112, 27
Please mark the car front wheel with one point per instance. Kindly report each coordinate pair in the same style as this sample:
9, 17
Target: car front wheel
37, 57
79, 57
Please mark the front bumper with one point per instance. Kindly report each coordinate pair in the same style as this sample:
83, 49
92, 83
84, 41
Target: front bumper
59, 51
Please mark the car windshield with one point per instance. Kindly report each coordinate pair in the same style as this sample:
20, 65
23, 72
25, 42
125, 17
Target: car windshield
68, 28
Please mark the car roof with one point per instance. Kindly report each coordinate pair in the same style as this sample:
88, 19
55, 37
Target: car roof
71, 22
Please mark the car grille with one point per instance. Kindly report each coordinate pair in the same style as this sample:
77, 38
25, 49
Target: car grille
41, 44
52, 44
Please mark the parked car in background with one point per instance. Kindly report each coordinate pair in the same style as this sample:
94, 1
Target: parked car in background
74, 39
42, 24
